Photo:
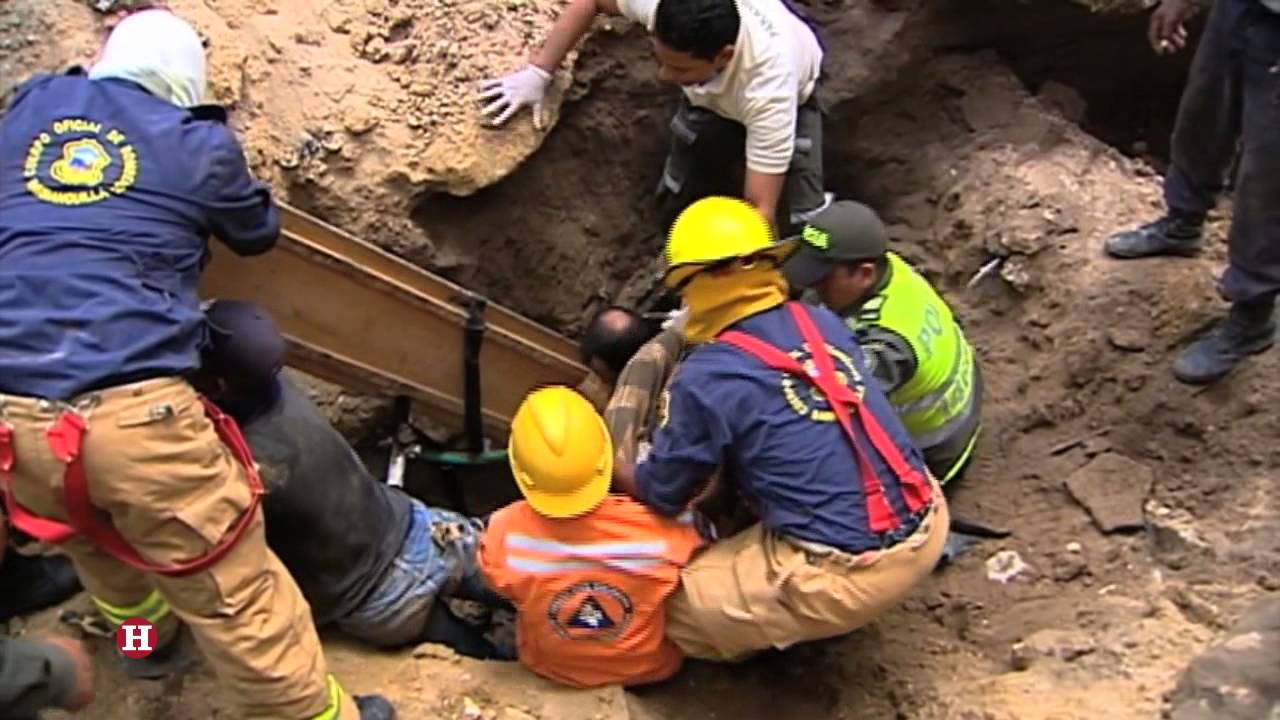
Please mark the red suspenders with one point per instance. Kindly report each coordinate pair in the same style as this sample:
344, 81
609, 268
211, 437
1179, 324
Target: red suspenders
916, 490
65, 439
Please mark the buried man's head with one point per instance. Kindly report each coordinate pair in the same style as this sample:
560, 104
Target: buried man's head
612, 338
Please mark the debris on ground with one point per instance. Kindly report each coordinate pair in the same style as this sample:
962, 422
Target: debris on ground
1113, 489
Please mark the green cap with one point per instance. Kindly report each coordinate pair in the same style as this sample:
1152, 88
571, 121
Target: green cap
845, 231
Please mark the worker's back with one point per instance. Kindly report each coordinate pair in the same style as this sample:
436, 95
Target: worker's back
333, 526
590, 590
107, 197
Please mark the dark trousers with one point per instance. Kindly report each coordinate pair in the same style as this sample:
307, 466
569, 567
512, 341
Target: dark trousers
706, 158
1233, 98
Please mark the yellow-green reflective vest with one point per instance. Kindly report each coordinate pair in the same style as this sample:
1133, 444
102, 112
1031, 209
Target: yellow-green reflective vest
935, 402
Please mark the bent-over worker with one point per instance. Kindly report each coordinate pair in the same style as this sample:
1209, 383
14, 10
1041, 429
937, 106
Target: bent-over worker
776, 392
110, 185
369, 558
587, 571
748, 70
912, 342
1232, 98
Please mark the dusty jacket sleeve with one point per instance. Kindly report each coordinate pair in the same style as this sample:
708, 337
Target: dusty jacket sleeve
889, 356
686, 450
238, 208
33, 676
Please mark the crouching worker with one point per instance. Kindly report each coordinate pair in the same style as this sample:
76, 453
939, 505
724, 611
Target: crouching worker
370, 559
105, 448
777, 393
911, 339
587, 571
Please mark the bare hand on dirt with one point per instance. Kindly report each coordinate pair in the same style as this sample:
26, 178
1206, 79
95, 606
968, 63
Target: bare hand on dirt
524, 87
1167, 32
82, 691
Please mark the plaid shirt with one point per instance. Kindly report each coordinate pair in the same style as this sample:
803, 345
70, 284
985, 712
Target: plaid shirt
635, 408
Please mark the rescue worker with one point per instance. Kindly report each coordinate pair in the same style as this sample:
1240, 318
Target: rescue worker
110, 185
748, 70
587, 571
369, 559
776, 392
910, 337
1231, 98
43, 673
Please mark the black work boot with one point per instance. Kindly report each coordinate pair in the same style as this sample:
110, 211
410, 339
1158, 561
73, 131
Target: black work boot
1177, 233
178, 655
374, 707
1248, 329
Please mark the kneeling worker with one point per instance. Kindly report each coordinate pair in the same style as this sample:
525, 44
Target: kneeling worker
913, 344
587, 571
850, 519
369, 558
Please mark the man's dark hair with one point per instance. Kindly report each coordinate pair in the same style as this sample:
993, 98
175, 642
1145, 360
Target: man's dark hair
701, 28
614, 335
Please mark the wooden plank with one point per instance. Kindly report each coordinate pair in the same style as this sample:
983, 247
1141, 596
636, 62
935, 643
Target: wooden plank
364, 319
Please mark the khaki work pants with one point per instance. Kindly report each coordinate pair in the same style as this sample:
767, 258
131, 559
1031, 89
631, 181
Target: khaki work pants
758, 590
156, 465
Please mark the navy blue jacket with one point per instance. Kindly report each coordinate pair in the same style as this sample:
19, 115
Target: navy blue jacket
107, 198
781, 443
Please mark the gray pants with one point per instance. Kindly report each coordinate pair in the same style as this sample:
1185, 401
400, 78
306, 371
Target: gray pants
706, 158
1233, 96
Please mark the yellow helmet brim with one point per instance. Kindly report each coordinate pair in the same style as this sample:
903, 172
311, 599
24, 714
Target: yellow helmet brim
779, 253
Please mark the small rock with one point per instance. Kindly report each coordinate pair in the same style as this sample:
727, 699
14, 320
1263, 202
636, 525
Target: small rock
438, 652
1005, 566
1068, 567
1174, 537
1075, 547
1065, 100
471, 710
1064, 645
1129, 339
1194, 607
1112, 489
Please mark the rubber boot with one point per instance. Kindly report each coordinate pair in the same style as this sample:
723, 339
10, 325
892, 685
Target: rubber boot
1248, 329
374, 707
1177, 233
177, 656
35, 583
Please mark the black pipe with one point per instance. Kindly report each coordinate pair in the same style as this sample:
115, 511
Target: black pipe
474, 419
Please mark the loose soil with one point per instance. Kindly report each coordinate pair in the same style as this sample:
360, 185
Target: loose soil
979, 132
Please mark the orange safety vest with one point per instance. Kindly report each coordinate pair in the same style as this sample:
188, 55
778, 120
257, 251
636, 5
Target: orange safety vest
590, 590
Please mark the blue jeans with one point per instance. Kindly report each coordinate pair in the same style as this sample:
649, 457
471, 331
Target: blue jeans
438, 560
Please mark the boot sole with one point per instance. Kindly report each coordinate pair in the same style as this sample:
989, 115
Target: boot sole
1185, 253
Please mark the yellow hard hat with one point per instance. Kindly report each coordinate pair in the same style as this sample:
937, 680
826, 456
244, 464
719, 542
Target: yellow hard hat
560, 453
718, 228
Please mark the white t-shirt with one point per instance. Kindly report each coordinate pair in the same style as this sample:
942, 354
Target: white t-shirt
774, 70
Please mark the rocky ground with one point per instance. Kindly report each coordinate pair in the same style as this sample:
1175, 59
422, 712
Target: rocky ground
1144, 512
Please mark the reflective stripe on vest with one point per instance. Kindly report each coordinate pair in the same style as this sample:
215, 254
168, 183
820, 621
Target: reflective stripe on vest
939, 396
916, 491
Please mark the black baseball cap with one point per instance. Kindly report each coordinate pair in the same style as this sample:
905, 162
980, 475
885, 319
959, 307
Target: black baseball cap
844, 232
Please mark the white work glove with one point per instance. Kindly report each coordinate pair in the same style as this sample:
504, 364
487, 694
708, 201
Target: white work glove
509, 93
676, 320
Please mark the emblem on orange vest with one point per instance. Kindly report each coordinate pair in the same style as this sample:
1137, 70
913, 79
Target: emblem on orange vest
590, 611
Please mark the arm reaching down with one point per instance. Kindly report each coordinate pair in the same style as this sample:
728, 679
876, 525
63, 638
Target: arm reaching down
239, 209
527, 87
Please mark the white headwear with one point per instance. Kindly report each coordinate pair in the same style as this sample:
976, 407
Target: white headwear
159, 51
